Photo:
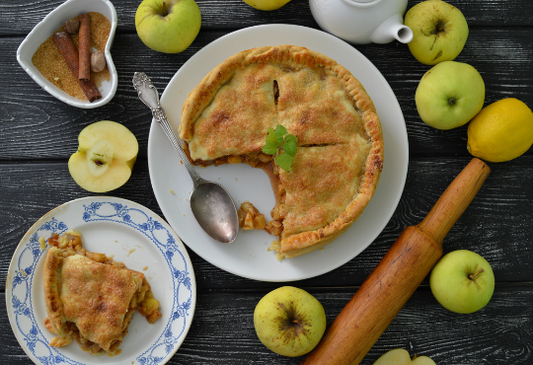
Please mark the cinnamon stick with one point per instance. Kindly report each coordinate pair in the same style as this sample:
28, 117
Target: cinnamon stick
85, 47
70, 54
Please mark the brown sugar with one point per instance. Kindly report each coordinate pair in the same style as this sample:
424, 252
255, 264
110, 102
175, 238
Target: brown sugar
51, 64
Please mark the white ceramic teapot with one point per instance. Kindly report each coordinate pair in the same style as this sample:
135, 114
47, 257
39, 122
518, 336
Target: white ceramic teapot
363, 21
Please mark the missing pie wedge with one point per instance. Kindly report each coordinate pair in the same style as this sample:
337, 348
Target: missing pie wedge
91, 298
339, 158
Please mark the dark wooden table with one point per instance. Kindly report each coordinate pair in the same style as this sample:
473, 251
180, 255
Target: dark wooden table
38, 133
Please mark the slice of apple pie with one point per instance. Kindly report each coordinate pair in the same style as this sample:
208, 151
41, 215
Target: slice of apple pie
91, 298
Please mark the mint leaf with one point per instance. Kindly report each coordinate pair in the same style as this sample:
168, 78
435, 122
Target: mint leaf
273, 139
290, 145
281, 131
284, 160
272, 143
270, 149
279, 141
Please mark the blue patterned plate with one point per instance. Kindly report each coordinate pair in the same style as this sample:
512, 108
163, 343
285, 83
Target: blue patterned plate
130, 233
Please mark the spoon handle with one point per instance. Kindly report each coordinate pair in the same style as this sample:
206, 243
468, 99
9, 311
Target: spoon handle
149, 96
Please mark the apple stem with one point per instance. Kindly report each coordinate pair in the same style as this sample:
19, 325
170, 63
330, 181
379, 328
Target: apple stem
165, 9
473, 276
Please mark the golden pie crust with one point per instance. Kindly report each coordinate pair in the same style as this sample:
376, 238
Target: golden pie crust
91, 298
337, 167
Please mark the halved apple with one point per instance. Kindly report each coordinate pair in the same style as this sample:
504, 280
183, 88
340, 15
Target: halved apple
401, 357
106, 154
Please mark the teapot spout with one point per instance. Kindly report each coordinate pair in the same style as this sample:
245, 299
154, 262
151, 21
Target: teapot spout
392, 29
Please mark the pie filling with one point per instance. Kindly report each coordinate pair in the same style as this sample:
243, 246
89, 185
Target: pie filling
91, 298
339, 158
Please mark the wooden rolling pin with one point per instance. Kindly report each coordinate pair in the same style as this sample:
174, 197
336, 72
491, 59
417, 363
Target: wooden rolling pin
409, 260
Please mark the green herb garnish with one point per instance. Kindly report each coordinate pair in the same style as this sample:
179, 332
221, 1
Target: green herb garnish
282, 144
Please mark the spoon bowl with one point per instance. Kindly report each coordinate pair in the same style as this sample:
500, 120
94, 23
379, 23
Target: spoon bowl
211, 204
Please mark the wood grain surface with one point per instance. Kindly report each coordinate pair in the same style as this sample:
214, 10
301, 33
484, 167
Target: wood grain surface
38, 134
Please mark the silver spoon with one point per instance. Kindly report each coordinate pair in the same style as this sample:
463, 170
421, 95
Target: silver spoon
211, 204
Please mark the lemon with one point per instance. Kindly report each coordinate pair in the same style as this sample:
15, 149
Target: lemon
501, 131
266, 5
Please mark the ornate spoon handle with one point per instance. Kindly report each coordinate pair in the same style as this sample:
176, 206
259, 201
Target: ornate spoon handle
150, 97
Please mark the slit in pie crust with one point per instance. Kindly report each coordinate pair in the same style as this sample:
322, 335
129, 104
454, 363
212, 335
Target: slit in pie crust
91, 298
337, 167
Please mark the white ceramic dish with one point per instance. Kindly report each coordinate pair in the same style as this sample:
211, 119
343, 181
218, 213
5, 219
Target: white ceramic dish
130, 233
248, 256
48, 26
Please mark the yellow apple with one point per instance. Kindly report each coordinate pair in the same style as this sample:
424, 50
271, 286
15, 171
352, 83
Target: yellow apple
105, 157
168, 26
289, 321
449, 95
439, 30
462, 281
401, 357
266, 4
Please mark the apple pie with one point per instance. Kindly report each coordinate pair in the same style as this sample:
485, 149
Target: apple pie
91, 298
339, 158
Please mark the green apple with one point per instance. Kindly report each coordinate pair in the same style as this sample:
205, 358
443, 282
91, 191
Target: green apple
289, 321
462, 281
449, 95
168, 26
105, 157
439, 31
401, 357
266, 4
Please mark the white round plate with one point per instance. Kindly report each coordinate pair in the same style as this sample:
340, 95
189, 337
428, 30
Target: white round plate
247, 256
130, 233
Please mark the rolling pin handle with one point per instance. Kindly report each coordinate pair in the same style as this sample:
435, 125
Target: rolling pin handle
454, 201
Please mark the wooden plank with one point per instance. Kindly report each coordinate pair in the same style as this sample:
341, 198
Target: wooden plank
20, 18
223, 332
